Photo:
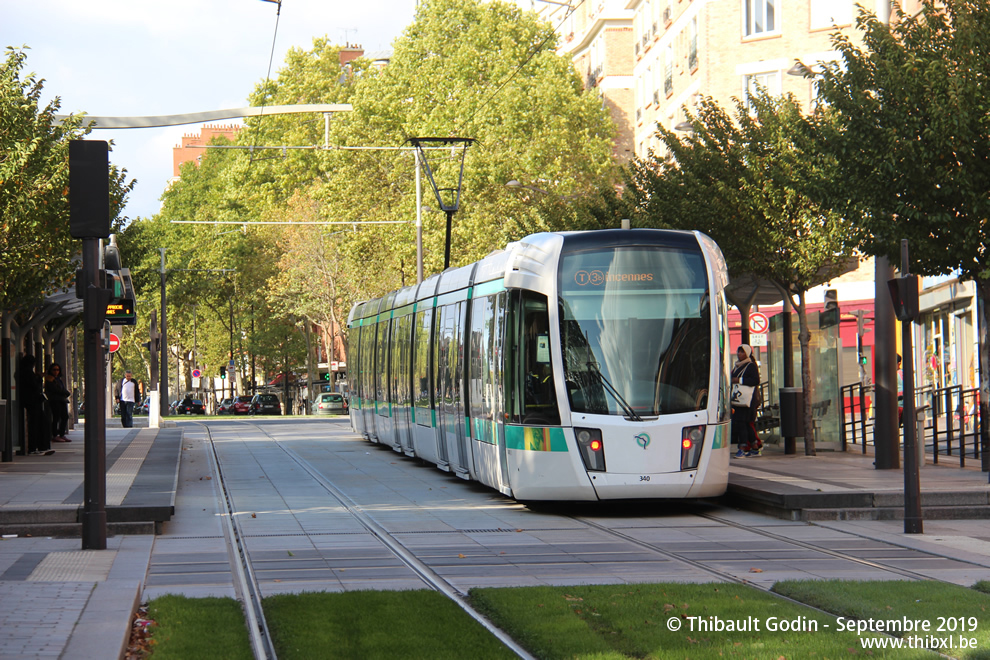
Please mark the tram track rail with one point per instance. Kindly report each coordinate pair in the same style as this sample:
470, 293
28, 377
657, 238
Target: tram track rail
245, 582
428, 576
436, 582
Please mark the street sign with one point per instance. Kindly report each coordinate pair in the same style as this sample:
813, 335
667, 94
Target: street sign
757, 340
114, 343
196, 373
758, 323
334, 366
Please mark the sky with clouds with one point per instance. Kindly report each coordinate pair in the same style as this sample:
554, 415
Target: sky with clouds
136, 58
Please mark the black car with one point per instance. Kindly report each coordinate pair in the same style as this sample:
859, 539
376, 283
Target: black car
265, 404
190, 407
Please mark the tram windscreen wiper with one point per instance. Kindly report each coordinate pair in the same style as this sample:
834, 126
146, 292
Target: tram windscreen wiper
632, 414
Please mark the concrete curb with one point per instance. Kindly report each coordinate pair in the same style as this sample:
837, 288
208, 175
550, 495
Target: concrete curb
104, 628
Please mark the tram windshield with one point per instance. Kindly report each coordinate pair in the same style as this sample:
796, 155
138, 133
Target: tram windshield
635, 328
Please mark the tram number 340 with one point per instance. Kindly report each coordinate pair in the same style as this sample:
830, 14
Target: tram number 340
644, 478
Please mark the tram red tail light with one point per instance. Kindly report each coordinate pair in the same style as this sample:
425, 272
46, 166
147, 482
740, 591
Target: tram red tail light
591, 447
692, 441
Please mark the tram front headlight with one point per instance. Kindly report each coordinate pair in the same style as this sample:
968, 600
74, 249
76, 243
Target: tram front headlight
592, 449
692, 440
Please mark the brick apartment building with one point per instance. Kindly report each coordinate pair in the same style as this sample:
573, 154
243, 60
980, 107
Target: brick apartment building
190, 150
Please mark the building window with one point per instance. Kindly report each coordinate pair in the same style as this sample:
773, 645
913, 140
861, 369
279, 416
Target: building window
668, 70
760, 17
769, 82
826, 13
693, 46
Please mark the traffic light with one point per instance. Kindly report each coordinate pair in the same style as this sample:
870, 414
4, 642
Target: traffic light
223, 372
904, 295
325, 376
89, 189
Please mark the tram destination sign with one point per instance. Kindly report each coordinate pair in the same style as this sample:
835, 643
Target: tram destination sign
633, 269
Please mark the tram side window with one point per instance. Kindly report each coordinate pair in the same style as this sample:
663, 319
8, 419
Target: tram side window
449, 351
485, 317
381, 363
400, 359
421, 366
368, 333
534, 395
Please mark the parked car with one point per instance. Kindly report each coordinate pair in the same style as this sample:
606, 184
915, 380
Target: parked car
330, 403
190, 407
242, 405
226, 407
265, 404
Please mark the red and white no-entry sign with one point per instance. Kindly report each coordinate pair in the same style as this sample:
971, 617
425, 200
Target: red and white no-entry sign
758, 323
114, 343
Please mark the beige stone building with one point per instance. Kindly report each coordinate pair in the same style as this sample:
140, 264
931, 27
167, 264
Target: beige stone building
597, 35
649, 59
686, 49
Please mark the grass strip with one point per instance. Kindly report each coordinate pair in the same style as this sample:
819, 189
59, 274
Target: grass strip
959, 618
715, 620
377, 624
198, 628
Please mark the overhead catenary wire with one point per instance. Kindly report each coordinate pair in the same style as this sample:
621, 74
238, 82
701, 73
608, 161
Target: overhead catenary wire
532, 53
271, 59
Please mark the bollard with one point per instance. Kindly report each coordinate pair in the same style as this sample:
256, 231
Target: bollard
154, 410
920, 433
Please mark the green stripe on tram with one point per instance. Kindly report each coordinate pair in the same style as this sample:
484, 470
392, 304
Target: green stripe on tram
533, 438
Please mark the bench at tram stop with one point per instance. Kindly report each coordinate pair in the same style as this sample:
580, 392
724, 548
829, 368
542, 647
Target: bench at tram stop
770, 417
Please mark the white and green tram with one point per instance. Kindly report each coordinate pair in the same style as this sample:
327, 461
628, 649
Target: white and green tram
568, 366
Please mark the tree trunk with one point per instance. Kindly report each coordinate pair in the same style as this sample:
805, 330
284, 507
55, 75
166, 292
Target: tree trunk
804, 339
983, 310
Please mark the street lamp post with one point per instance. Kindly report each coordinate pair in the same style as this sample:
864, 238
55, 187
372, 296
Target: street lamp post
163, 346
454, 193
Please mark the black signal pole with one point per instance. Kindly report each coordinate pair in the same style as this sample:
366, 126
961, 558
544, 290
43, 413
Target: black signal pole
163, 345
89, 220
907, 313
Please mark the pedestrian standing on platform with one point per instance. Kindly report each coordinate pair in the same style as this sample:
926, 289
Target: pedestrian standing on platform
128, 396
745, 400
32, 396
58, 401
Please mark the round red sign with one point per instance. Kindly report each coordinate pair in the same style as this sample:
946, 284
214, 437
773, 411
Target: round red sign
114, 342
758, 323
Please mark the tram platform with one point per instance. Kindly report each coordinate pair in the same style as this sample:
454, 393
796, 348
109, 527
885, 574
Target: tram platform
847, 486
43, 495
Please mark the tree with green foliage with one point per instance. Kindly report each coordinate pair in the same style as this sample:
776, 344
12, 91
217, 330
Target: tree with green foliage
36, 248
758, 183
912, 102
482, 70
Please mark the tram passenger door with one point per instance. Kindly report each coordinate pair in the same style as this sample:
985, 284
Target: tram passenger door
369, 347
450, 378
484, 388
400, 376
383, 426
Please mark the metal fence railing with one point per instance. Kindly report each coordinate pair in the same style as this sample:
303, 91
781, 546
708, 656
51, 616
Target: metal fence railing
948, 421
